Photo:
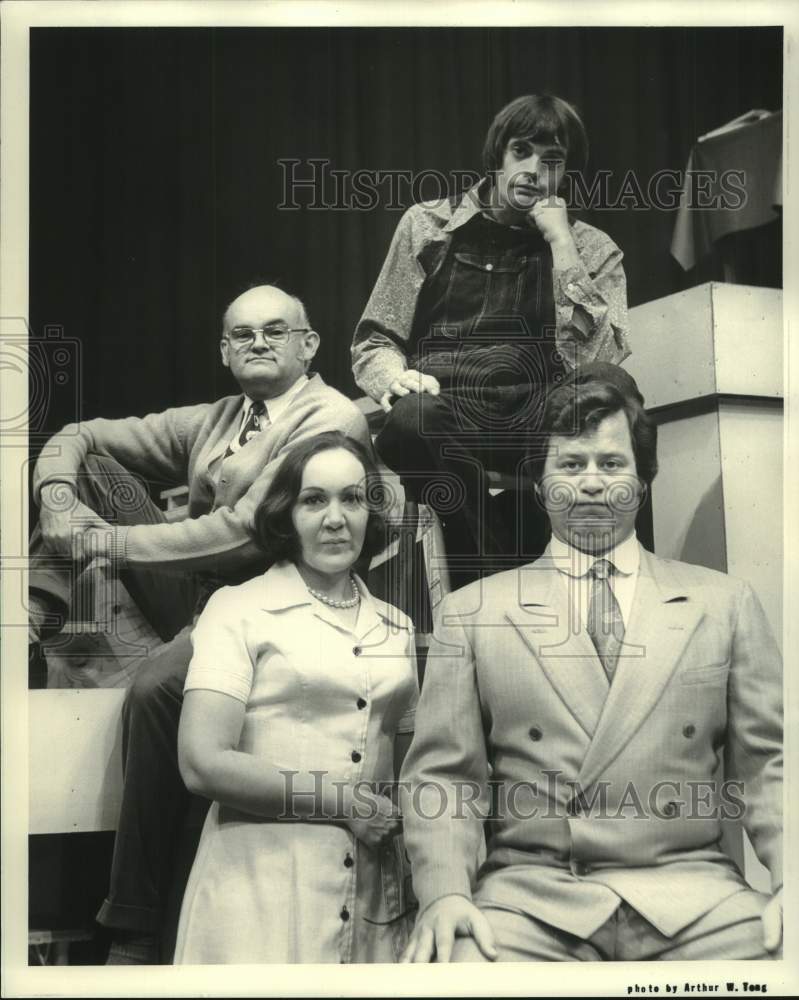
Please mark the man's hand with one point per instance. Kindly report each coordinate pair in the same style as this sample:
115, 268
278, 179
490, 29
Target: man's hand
379, 820
549, 216
64, 524
772, 924
436, 929
410, 381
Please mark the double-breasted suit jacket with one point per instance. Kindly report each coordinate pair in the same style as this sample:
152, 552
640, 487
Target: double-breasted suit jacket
596, 791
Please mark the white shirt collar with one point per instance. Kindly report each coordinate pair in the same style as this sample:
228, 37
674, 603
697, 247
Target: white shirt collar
277, 404
284, 588
625, 556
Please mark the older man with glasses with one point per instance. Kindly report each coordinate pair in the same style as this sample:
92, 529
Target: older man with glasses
227, 452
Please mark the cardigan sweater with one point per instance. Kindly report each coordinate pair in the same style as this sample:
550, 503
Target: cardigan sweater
177, 446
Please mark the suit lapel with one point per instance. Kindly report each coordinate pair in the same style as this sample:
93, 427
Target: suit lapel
662, 620
563, 650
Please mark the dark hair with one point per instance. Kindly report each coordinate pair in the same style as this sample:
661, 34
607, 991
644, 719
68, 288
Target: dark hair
541, 118
584, 400
274, 527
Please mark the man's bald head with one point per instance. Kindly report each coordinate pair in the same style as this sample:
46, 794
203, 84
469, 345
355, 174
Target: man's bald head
266, 367
265, 296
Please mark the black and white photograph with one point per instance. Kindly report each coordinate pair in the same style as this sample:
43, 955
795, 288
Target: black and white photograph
395, 470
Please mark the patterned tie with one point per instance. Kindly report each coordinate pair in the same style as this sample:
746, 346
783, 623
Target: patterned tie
605, 623
256, 421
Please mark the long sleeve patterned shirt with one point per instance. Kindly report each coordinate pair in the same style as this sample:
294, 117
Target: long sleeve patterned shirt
590, 299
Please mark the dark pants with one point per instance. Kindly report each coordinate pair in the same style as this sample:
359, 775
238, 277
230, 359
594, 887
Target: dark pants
442, 456
154, 799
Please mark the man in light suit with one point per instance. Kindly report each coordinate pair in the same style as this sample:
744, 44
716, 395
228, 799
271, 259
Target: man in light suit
584, 704
227, 452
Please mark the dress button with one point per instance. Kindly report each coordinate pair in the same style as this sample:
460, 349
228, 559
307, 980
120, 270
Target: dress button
355, 756
535, 734
356, 650
361, 703
580, 868
345, 914
689, 730
489, 267
348, 862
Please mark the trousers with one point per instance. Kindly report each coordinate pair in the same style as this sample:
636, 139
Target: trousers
731, 930
120, 498
154, 798
442, 452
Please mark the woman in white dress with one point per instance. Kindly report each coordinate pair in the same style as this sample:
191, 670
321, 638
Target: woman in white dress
299, 685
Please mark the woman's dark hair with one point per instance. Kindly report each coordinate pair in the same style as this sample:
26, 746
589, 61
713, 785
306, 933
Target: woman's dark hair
274, 527
540, 118
584, 400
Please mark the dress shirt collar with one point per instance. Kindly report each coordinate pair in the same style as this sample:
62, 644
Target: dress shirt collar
284, 588
625, 556
277, 404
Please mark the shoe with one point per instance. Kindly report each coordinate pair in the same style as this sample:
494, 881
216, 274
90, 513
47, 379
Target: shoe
47, 615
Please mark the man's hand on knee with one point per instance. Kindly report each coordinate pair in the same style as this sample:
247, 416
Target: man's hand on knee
410, 381
62, 520
436, 929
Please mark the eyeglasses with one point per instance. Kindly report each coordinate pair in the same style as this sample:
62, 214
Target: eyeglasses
242, 337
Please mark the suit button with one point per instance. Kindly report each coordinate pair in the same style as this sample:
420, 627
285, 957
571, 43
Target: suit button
348, 862
689, 730
361, 703
345, 914
535, 734
356, 650
580, 868
355, 756
489, 267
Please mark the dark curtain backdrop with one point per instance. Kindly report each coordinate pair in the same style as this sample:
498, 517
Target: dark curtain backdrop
155, 186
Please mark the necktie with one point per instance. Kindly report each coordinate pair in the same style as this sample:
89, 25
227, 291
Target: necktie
605, 623
256, 421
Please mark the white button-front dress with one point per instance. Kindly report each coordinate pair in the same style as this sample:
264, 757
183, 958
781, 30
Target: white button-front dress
319, 698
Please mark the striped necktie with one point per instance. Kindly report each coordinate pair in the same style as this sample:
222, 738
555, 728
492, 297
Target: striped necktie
605, 623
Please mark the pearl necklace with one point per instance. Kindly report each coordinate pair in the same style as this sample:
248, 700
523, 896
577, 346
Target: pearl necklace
349, 603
